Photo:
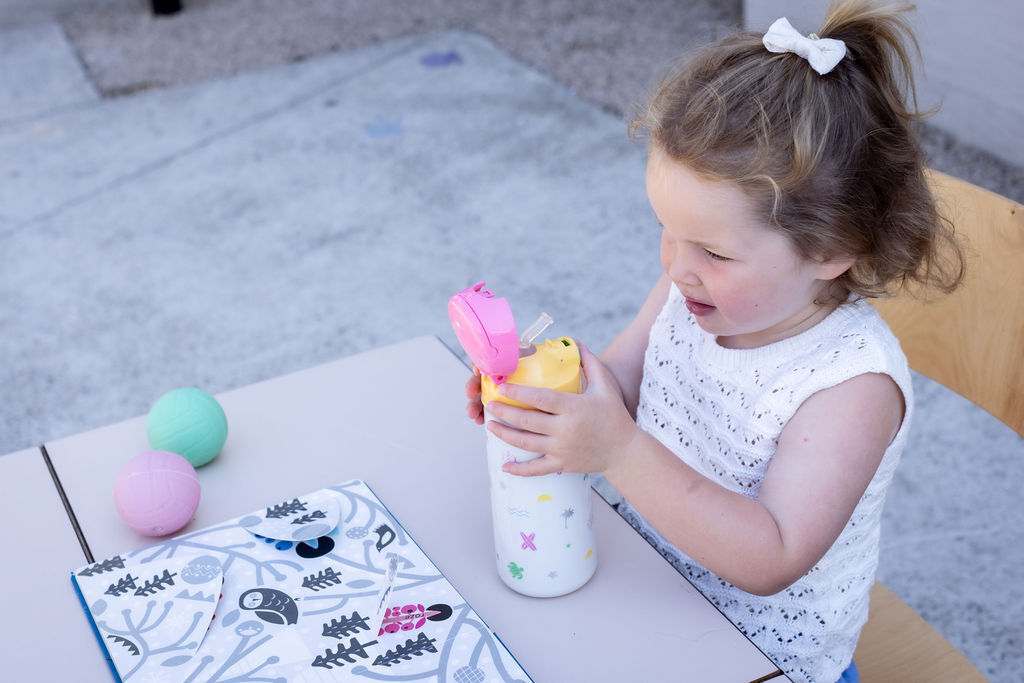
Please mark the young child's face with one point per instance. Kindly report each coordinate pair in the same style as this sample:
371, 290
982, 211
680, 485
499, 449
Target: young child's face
743, 281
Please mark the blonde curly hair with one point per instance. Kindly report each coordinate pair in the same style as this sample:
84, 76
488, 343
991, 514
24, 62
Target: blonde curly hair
832, 160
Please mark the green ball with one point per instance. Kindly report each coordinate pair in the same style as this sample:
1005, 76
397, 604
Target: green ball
188, 422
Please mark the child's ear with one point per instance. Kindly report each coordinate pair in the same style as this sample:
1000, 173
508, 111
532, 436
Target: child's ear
831, 267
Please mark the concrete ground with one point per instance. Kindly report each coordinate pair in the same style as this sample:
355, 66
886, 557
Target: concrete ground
252, 187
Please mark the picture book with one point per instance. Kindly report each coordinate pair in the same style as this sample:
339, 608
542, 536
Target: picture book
322, 587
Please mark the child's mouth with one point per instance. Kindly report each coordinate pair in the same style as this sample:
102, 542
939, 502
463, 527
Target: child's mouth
699, 309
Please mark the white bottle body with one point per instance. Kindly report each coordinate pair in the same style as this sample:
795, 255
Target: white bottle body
543, 526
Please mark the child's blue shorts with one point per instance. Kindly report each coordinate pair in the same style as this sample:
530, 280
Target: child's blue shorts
850, 675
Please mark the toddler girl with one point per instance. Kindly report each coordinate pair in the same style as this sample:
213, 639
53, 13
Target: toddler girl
754, 411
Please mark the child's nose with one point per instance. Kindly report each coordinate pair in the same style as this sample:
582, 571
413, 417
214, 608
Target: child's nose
681, 272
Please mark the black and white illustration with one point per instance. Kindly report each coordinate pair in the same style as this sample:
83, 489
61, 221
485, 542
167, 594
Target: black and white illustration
350, 597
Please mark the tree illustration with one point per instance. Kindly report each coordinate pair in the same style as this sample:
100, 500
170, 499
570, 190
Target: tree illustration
346, 626
346, 653
407, 651
567, 513
284, 509
250, 639
158, 583
122, 586
309, 517
322, 579
109, 565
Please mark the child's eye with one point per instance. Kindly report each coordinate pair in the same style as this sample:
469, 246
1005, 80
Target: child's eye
716, 257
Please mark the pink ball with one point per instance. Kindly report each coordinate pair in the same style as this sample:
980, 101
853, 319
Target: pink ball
157, 492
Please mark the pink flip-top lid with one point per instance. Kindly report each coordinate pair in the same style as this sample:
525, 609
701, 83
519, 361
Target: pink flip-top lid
487, 331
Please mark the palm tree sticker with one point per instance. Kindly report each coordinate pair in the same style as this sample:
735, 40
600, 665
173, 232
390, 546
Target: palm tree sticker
566, 514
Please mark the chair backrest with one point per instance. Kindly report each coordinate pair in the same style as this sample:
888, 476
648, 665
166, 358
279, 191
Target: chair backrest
972, 341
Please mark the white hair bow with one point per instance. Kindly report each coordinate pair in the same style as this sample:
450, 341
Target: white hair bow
821, 53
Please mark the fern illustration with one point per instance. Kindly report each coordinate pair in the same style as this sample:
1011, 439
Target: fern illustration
108, 565
344, 652
346, 626
322, 579
309, 517
408, 651
157, 583
122, 586
285, 509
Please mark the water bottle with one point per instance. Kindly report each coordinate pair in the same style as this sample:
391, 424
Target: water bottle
543, 526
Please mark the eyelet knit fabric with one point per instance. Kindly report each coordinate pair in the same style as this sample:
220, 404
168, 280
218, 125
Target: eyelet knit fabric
721, 411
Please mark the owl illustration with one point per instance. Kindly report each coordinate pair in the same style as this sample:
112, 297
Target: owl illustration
270, 605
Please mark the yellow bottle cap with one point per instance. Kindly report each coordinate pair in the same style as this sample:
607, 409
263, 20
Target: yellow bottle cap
555, 364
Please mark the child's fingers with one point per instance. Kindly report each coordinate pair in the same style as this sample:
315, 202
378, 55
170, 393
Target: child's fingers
593, 368
474, 408
532, 468
587, 357
475, 411
528, 441
547, 400
473, 387
522, 419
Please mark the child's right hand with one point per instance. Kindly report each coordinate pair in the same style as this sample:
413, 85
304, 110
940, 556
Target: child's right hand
475, 407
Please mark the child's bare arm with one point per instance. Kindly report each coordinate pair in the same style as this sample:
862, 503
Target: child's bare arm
826, 457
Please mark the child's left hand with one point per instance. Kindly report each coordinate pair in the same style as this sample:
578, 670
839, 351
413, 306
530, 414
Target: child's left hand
577, 432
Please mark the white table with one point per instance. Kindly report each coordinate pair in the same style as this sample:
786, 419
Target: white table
46, 630
394, 417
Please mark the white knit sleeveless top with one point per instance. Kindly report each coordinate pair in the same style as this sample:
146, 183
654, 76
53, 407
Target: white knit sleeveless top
721, 411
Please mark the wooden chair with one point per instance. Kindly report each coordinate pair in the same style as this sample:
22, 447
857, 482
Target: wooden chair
972, 342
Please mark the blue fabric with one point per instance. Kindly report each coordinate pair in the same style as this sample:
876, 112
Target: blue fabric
850, 675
